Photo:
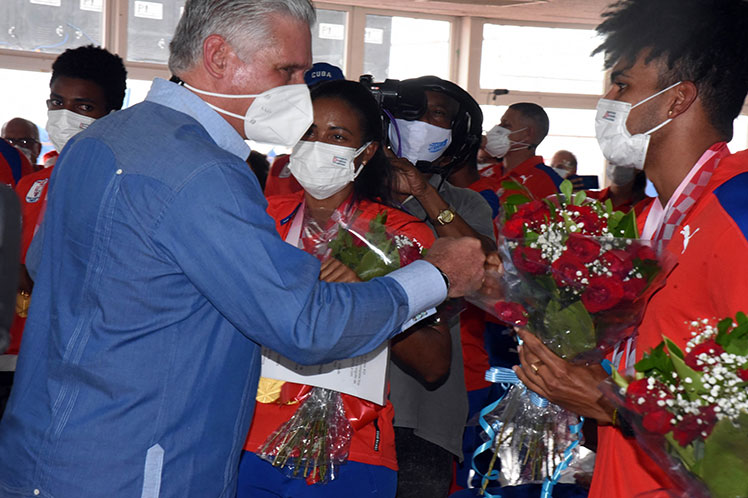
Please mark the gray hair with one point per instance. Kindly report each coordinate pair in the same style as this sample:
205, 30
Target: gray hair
243, 23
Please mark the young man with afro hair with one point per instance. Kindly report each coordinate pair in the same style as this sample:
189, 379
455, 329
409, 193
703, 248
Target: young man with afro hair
681, 65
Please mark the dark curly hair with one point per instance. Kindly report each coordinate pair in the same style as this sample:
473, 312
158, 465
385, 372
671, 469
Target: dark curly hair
94, 64
375, 182
702, 41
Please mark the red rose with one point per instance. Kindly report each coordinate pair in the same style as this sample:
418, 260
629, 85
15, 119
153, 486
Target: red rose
633, 287
692, 426
408, 254
529, 260
584, 248
534, 211
512, 313
514, 228
645, 252
567, 270
642, 400
743, 373
710, 347
593, 223
602, 293
618, 262
658, 421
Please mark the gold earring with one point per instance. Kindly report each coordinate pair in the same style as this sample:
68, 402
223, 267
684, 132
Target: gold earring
670, 112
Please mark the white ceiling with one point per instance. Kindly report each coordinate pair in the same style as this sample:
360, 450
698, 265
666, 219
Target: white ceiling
585, 12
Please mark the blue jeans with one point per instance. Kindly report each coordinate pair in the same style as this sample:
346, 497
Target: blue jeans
259, 479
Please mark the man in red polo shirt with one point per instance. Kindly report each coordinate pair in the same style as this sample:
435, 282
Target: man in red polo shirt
522, 128
679, 79
13, 164
87, 83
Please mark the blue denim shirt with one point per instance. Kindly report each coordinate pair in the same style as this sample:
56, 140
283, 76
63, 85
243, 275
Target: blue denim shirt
160, 275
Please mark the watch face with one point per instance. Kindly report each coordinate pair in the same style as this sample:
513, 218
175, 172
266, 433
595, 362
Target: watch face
446, 216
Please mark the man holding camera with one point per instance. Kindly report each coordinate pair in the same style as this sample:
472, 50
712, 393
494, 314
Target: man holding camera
429, 421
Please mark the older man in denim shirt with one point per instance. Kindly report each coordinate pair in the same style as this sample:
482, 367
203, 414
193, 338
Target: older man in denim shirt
161, 274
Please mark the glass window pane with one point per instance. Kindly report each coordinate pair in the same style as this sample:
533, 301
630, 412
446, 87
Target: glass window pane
51, 26
739, 134
570, 129
404, 47
150, 27
537, 59
329, 37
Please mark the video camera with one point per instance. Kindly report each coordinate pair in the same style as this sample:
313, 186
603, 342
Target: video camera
400, 100
407, 100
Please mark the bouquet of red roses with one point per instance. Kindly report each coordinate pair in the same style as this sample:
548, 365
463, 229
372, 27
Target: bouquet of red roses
316, 439
690, 408
575, 273
577, 276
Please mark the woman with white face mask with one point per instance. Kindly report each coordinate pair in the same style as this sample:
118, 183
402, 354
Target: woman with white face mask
342, 169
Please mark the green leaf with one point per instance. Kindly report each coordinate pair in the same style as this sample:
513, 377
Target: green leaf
656, 361
619, 379
673, 348
531, 237
693, 389
516, 200
566, 188
741, 318
513, 186
623, 224
608, 206
569, 330
580, 197
724, 467
685, 453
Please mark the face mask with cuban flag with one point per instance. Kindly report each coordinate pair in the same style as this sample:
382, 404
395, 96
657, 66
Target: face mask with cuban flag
618, 145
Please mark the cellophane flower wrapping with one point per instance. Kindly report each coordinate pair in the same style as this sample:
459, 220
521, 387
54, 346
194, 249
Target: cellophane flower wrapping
531, 436
315, 441
689, 408
574, 273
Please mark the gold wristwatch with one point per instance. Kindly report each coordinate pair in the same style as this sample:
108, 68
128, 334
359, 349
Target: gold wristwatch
445, 217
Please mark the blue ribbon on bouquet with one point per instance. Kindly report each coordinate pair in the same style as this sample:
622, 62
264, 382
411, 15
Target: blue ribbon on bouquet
507, 378
548, 484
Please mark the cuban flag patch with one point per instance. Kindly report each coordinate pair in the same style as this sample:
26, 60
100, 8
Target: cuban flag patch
609, 115
339, 161
35, 192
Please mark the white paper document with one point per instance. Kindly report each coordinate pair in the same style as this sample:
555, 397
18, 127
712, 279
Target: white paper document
364, 376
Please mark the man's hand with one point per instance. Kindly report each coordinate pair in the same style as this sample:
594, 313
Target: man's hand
408, 180
570, 386
461, 260
333, 270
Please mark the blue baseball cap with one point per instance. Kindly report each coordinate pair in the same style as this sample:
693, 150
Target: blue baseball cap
322, 71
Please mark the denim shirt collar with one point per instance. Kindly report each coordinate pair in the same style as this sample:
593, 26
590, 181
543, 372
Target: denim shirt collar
181, 99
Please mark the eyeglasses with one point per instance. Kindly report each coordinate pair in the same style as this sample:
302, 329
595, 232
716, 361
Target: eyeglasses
22, 142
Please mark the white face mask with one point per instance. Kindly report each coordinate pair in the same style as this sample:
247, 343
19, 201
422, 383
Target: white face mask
418, 140
498, 143
563, 173
62, 125
29, 155
324, 169
279, 116
619, 175
618, 145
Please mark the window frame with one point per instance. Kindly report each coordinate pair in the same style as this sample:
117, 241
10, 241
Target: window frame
465, 52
